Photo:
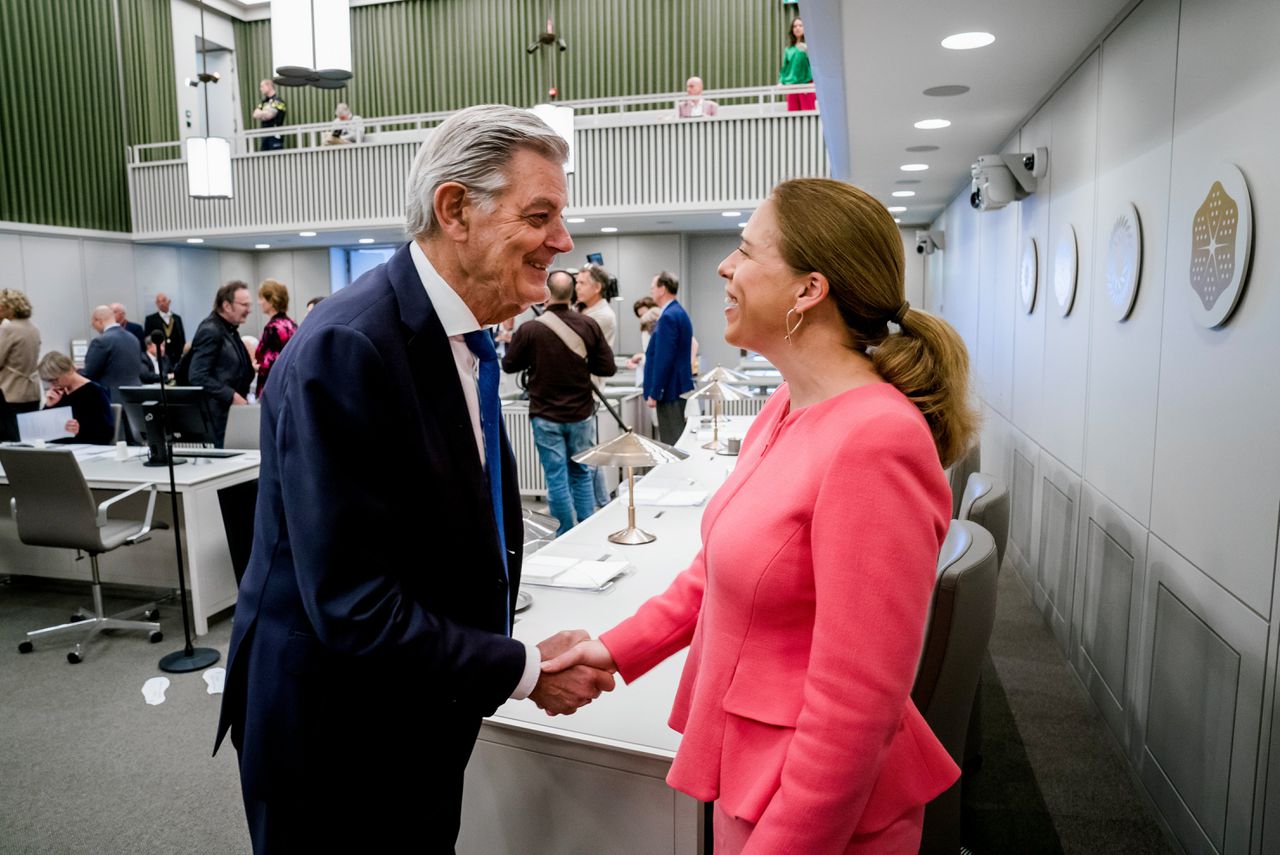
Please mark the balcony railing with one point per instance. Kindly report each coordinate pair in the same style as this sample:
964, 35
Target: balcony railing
632, 156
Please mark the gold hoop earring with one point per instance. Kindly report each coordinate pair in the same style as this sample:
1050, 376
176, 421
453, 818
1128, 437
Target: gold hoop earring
787, 323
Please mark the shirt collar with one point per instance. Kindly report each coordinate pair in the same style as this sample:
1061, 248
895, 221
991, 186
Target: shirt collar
454, 315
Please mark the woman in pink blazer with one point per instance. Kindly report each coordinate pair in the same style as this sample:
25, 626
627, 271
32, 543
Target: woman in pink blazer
804, 612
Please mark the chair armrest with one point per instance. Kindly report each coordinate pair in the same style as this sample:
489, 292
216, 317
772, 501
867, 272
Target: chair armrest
102, 508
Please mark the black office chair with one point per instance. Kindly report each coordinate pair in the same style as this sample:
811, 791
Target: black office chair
52, 505
960, 621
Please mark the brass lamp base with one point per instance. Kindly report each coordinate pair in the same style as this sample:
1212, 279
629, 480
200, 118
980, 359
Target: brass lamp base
632, 536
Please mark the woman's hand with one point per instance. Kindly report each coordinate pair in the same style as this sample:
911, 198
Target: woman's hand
72, 427
590, 652
53, 396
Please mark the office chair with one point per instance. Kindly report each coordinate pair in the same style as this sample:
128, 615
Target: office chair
243, 427
986, 502
960, 620
53, 506
958, 474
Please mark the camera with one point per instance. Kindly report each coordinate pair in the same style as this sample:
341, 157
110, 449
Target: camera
928, 242
999, 179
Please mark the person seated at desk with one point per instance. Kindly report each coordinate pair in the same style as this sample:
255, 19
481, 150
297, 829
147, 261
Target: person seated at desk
91, 418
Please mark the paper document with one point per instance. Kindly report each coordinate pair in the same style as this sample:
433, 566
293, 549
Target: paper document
44, 424
560, 572
665, 494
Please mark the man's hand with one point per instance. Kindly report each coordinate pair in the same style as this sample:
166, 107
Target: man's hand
563, 692
650, 403
590, 652
236, 400
560, 642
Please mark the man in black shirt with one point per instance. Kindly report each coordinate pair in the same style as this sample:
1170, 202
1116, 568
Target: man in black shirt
561, 349
219, 361
270, 111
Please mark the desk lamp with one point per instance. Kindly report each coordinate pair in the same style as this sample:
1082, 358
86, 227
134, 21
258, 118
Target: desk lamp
630, 450
717, 391
726, 374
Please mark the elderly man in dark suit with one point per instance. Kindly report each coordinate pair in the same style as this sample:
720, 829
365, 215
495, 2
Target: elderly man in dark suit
219, 361
114, 358
169, 323
373, 628
129, 326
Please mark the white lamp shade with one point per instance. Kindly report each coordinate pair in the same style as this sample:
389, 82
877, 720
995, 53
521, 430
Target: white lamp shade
209, 167
560, 120
314, 34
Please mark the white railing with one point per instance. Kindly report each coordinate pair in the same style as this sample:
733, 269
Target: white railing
626, 163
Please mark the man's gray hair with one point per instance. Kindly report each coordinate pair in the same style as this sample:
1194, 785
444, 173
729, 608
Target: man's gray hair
472, 147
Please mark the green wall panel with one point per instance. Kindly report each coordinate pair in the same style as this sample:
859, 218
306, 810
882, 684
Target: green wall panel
422, 56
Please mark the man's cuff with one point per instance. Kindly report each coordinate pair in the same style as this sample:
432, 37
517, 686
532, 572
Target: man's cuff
532, 667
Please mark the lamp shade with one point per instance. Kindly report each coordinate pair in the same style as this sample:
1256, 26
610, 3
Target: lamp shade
209, 167
728, 375
630, 449
718, 390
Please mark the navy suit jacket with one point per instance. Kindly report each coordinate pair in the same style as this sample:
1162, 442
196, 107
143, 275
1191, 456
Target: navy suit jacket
668, 360
137, 332
114, 360
375, 595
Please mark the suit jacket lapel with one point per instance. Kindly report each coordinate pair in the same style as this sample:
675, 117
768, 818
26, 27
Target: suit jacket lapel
437, 387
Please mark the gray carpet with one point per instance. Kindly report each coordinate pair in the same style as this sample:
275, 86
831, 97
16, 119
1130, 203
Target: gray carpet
86, 766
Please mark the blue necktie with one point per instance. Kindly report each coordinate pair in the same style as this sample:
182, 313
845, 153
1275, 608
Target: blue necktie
481, 344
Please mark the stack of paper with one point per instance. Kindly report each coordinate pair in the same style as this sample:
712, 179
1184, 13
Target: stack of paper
666, 494
556, 571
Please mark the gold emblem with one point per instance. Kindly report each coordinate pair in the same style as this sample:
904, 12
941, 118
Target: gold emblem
1213, 245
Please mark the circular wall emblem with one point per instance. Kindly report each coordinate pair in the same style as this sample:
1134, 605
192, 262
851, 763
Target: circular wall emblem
1065, 266
1028, 269
1221, 239
1124, 263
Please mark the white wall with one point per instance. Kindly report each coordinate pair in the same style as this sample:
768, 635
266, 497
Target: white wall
1143, 453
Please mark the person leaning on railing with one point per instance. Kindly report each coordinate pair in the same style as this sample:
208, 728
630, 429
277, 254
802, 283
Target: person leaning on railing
695, 106
796, 69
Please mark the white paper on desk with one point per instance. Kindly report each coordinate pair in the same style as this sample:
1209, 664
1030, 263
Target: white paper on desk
591, 575
542, 569
682, 499
44, 424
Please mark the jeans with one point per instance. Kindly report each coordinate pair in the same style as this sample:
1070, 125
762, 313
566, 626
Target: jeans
570, 486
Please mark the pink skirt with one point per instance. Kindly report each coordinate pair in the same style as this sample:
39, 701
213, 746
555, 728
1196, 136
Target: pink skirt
901, 837
802, 101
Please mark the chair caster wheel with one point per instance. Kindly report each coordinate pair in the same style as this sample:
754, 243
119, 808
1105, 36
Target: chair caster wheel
76, 618
151, 614
74, 658
25, 647
155, 636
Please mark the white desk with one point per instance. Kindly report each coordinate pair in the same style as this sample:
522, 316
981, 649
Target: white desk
207, 558
538, 784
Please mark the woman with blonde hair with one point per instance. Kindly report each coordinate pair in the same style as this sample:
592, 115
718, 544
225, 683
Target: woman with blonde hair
19, 350
273, 299
805, 609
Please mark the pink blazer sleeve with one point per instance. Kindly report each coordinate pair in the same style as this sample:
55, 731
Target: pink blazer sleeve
661, 627
875, 546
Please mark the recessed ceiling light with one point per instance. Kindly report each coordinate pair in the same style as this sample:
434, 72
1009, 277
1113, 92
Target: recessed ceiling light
609, 229
195, 240
576, 220
731, 213
663, 222
897, 209
918, 148
932, 124
742, 225
365, 240
262, 246
946, 91
904, 194
914, 167
306, 234
967, 41
907, 181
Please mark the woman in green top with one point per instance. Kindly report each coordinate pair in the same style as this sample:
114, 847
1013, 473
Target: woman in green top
795, 69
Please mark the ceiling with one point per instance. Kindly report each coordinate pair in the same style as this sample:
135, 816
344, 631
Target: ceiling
873, 60
703, 222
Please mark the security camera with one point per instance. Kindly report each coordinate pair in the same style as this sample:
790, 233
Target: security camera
928, 242
999, 179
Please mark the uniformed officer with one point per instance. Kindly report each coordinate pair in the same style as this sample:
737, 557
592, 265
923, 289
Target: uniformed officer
270, 111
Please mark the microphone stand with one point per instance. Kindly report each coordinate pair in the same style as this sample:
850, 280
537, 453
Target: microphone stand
189, 658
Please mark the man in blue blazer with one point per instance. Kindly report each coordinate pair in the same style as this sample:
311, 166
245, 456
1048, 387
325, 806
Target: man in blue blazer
114, 358
668, 360
373, 628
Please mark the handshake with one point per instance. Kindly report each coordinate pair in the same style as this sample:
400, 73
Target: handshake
575, 670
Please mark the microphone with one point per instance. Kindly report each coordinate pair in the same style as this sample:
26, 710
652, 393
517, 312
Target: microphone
157, 337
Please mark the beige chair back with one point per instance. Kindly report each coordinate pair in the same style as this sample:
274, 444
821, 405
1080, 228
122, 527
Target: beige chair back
986, 502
